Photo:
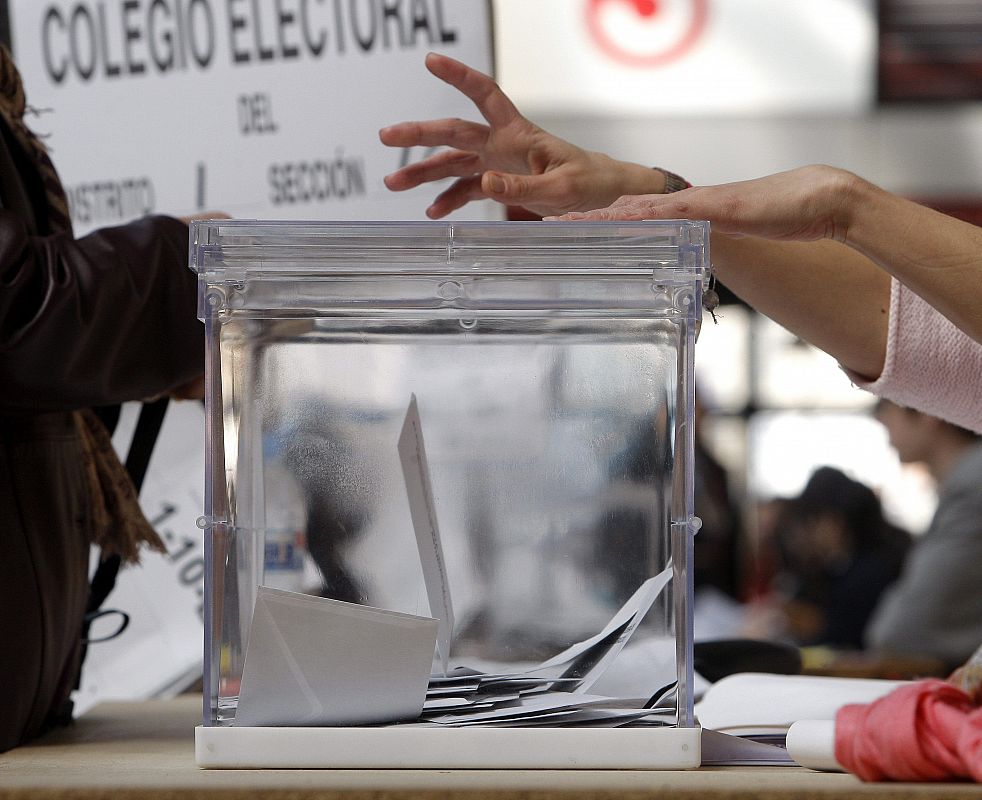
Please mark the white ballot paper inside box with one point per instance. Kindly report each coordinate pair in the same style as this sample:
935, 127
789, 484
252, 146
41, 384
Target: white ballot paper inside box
422, 510
315, 661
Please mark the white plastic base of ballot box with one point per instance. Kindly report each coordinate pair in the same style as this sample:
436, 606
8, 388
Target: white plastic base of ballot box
453, 748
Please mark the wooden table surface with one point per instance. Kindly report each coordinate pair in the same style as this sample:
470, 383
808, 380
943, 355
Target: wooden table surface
144, 751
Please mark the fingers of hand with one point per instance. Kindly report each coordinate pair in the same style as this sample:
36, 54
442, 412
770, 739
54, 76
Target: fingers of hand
448, 164
402, 134
460, 193
597, 215
550, 193
459, 133
503, 187
612, 212
627, 208
493, 103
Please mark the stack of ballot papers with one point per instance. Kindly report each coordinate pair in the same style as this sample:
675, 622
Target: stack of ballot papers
315, 661
522, 700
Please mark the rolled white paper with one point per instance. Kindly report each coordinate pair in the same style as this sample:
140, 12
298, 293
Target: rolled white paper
811, 743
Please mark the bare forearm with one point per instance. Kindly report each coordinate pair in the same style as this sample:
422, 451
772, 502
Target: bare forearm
936, 256
829, 295
824, 291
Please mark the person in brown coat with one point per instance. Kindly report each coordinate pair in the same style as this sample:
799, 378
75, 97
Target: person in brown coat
84, 322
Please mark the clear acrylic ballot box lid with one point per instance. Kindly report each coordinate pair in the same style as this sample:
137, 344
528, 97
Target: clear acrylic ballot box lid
448, 496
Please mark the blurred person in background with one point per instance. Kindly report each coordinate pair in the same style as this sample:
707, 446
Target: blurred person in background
717, 547
935, 608
838, 555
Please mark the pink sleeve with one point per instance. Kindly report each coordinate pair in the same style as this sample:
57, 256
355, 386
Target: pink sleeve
924, 731
931, 366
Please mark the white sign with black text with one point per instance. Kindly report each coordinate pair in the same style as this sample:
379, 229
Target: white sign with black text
258, 109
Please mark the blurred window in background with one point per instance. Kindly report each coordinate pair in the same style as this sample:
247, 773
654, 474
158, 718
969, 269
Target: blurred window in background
930, 51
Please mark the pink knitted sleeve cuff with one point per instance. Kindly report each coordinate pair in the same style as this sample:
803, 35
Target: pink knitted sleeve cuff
924, 731
930, 364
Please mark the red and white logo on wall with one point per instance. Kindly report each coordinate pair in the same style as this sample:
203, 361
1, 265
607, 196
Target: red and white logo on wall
687, 57
646, 33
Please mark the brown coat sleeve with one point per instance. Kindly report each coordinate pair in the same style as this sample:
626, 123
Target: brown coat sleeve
97, 320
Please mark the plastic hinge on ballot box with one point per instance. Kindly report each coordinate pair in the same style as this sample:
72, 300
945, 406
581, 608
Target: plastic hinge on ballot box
448, 496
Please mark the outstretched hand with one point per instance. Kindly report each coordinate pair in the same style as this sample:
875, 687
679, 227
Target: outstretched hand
509, 159
804, 204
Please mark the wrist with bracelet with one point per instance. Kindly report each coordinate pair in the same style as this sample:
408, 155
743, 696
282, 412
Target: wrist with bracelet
673, 182
676, 183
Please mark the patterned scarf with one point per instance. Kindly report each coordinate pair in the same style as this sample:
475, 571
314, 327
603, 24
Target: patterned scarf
118, 525
13, 106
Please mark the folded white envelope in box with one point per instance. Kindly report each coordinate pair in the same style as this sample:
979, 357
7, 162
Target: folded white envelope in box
315, 661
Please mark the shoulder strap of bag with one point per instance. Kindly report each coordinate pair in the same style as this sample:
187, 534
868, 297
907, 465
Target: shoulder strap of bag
148, 427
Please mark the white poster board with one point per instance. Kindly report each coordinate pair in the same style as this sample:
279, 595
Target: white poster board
160, 652
259, 109
680, 58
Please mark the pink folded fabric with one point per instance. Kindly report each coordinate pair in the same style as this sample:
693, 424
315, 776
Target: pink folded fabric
930, 730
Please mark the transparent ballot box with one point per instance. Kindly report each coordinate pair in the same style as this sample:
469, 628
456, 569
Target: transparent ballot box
448, 506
